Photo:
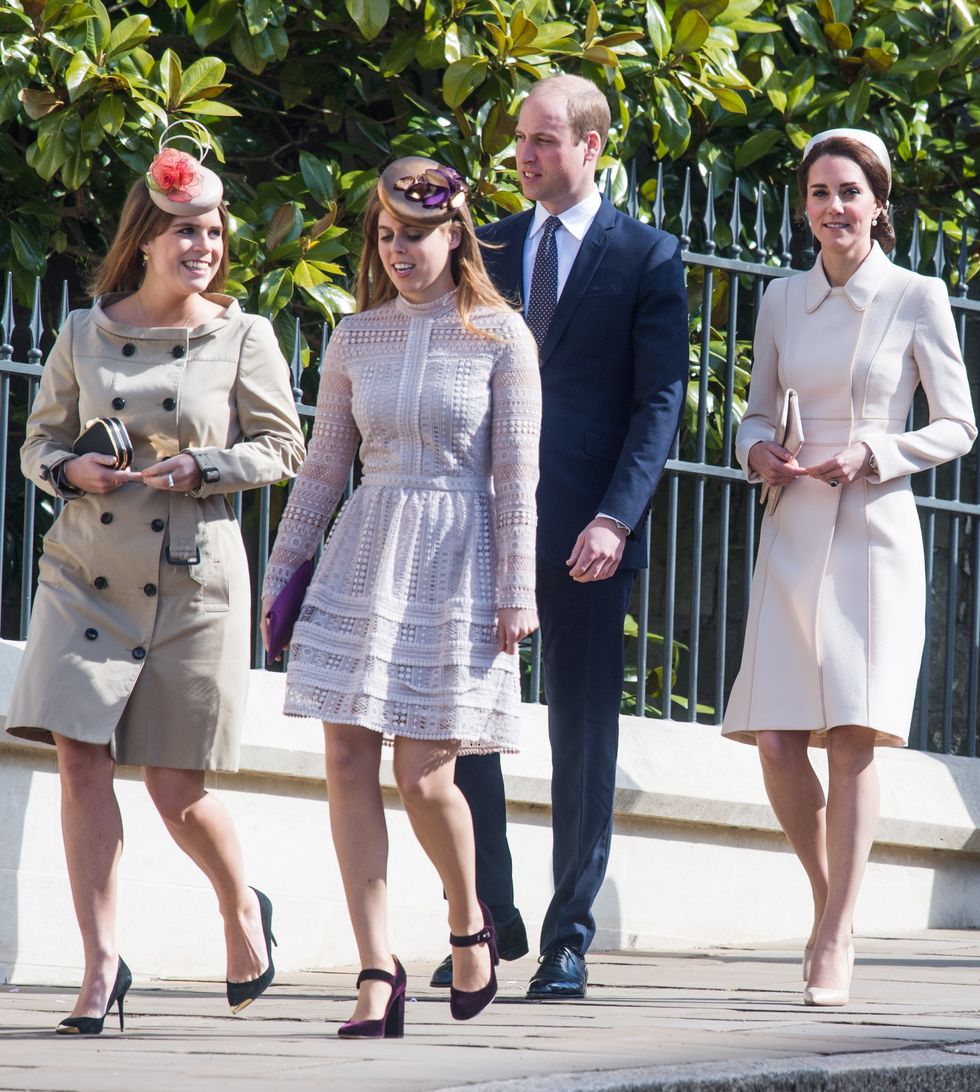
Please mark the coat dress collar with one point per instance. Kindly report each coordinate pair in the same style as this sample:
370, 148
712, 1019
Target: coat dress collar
860, 289
162, 333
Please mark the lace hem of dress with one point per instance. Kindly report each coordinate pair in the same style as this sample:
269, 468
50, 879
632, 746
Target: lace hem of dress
475, 729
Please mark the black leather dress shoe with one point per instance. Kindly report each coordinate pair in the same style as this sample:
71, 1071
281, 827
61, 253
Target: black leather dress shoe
511, 944
562, 974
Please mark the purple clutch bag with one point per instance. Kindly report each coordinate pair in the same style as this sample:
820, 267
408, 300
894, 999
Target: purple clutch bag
285, 609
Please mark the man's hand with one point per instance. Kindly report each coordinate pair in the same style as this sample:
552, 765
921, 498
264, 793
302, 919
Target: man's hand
597, 551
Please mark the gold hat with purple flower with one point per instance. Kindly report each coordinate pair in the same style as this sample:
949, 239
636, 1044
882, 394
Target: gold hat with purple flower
178, 182
421, 191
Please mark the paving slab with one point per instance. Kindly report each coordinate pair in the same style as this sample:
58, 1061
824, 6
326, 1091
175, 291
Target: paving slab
685, 1021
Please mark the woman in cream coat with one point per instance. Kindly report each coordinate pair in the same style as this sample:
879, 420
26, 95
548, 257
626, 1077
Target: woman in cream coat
836, 616
138, 646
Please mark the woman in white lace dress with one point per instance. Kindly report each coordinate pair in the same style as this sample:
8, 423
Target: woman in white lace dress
410, 625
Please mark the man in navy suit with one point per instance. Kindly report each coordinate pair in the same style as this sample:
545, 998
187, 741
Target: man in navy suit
605, 297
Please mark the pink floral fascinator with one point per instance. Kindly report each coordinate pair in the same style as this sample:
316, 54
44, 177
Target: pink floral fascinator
178, 182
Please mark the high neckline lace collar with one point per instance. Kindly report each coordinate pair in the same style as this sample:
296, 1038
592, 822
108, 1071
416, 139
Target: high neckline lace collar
444, 305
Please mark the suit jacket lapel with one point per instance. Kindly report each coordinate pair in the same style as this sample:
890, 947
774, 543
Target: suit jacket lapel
586, 262
508, 261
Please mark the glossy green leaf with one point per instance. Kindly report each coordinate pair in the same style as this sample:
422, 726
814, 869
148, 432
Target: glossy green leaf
317, 177
369, 15
126, 35
755, 147
204, 73
658, 29
462, 78
838, 36
691, 32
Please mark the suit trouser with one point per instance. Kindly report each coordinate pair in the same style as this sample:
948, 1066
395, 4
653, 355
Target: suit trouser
582, 642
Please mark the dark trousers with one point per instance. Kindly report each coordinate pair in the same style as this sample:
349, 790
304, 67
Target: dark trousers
582, 642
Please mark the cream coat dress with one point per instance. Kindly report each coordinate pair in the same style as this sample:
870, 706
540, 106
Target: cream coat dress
836, 614
125, 647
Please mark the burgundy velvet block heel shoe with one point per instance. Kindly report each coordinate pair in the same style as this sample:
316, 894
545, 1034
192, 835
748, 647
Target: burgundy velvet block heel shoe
465, 1004
392, 1024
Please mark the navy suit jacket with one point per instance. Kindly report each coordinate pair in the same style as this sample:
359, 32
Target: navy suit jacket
613, 373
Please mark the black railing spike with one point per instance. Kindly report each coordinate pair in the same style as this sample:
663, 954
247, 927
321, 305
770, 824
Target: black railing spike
915, 252
939, 258
686, 211
633, 198
296, 363
7, 320
760, 223
785, 231
35, 326
65, 305
607, 183
659, 209
709, 216
893, 253
324, 338
961, 286
736, 221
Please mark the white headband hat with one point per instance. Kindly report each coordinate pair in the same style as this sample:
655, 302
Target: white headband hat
178, 182
862, 136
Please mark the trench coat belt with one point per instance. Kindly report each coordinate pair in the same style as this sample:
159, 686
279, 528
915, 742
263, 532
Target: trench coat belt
187, 537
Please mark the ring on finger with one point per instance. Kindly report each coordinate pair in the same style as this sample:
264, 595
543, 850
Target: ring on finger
170, 480
833, 483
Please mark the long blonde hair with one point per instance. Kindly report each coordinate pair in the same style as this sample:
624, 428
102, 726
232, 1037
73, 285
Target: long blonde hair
473, 285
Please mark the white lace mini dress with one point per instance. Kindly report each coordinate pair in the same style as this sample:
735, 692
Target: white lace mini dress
398, 629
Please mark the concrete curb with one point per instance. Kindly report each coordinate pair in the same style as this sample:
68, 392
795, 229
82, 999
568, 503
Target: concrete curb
955, 1068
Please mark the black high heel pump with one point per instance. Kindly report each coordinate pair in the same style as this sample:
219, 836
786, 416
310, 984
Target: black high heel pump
92, 1025
242, 994
465, 1004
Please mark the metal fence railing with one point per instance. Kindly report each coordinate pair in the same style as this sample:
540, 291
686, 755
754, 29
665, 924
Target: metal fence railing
688, 611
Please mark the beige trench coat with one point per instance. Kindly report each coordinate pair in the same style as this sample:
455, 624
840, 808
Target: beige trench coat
127, 647
836, 613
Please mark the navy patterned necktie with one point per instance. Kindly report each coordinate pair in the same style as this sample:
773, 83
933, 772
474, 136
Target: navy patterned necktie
544, 282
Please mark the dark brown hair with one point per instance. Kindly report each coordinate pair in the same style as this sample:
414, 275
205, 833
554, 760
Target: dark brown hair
874, 171
474, 287
122, 269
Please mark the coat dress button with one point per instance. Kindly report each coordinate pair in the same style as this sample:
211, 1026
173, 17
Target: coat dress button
139, 652
178, 351
157, 524
107, 517
169, 404
128, 349
91, 634
150, 590
118, 403
101, 583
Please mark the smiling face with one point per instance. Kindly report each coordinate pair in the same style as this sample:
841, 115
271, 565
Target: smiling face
840, 205
417, 260
553, 165
185, 256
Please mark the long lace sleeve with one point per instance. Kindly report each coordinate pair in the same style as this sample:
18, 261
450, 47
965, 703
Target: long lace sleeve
516, 394
320, 483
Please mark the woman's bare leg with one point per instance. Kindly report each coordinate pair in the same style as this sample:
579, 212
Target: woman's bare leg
200, 824
360, 837
443, 824
853, 805
93, 837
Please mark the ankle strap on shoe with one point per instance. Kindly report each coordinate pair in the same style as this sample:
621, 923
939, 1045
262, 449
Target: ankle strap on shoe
484, 936
372, 974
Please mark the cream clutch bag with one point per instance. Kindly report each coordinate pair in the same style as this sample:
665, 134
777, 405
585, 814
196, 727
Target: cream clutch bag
790, 436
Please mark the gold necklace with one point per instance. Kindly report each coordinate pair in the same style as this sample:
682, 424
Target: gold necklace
185, 322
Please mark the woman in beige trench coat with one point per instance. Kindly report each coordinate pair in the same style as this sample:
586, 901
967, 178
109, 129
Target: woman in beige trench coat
138, 646
835, 622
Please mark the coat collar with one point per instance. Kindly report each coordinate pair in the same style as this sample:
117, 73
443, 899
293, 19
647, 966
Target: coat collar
860, 289
162, 333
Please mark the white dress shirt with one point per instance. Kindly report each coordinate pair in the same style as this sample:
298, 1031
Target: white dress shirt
575, 222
